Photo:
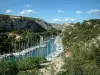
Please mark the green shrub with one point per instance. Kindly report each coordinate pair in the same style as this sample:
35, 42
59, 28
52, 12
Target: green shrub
32, 72
85, 54
28, 63
42, 59
61, 73
7, 68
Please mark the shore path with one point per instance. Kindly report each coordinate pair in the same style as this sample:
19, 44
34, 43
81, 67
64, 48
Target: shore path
52, 67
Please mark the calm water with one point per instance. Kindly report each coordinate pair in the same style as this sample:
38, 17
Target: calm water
40, 51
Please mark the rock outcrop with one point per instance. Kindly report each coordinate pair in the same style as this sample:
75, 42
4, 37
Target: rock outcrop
9, 23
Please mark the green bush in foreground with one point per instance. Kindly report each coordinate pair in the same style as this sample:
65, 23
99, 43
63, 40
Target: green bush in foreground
7, 68
61, 73
27, 66
30, 63
31, 72
42, 59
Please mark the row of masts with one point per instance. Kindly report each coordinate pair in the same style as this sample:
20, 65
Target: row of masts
39, 51
19, 46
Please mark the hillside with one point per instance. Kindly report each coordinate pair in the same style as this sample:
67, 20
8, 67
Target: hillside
17, 30
60, 26
83, 41
9, 23
57, 26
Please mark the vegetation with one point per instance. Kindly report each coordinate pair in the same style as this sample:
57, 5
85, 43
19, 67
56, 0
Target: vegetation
5, 44
82, 40
27, 38
30, 63
22, 33
32, 72
7, 68
27, 66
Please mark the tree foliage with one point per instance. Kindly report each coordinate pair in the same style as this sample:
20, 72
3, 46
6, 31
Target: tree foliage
82, 40
30, 63
7, 68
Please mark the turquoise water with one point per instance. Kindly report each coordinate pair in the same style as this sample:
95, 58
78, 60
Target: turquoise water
40, 51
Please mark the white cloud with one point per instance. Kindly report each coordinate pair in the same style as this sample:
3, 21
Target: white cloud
72, 19
56, 19
94, 11
69, 20
23, 12
60, 11
63, 20
28, 5
66, 19
79, 12
9, 11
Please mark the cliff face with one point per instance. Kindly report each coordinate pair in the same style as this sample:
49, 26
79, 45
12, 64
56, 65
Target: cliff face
59, 26
9, 23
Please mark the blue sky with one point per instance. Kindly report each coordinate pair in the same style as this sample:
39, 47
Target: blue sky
53, 10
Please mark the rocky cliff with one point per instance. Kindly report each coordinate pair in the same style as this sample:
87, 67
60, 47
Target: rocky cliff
60, 26
9, 23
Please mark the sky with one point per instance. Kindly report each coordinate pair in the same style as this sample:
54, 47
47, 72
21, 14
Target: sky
55, 11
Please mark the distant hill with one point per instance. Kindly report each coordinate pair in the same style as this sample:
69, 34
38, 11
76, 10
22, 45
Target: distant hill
60, 26
9, 23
